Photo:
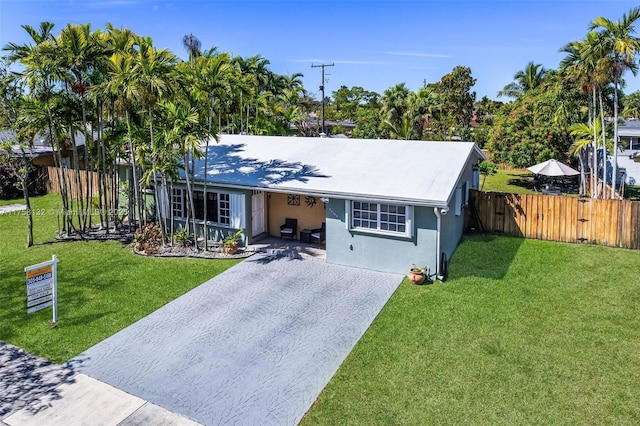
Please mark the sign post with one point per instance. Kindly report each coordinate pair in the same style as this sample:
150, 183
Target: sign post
42, 287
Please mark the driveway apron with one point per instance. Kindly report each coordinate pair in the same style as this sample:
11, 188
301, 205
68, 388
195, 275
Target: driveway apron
254, 345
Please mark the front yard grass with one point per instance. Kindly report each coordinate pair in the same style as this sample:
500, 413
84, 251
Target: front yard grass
524, 332
103, 287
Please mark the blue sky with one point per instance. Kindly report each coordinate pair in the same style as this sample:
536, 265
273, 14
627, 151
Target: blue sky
374, 44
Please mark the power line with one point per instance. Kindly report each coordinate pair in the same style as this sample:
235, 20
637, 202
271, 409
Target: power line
322, 88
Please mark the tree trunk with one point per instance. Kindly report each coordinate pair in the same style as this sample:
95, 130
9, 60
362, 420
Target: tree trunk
136, 183
594, 167
24, 180
614, 173
159, 215
57, 161
604, 150
190, 194
76, 167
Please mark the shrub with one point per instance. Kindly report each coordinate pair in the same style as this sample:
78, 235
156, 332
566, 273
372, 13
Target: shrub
148, 239
184, 239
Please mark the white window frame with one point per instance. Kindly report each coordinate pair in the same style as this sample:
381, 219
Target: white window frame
462, 197
177, 193
350, 218
225, 207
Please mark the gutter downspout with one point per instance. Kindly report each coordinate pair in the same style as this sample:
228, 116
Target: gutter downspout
439, 213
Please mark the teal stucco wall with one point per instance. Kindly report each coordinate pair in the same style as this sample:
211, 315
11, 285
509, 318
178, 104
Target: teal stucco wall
396, 254
378, 251
218, 232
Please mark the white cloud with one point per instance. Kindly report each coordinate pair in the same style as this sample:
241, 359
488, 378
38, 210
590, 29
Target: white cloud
417, 54
344, 62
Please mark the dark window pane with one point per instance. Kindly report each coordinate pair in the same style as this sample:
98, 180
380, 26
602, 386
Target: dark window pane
198, 205
212, 206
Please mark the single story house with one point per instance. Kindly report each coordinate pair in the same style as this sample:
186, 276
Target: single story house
387, 204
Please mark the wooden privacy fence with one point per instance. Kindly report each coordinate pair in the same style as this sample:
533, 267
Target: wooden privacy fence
70, 176
613, 223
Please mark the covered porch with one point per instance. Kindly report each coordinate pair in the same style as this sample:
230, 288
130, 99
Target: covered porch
270, 210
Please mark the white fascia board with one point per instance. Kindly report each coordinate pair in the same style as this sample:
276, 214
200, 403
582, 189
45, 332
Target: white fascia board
332, 194
481, 156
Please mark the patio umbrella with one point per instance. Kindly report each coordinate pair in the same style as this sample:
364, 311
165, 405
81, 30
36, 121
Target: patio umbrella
553, 168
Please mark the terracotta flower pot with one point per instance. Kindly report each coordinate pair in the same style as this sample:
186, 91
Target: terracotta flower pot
230, 249
416, 275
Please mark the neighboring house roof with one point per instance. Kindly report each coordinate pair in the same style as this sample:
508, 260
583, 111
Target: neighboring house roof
412, 172
630, 128
41, 144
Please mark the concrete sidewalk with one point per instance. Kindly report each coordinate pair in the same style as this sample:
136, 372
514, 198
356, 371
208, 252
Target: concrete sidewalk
36, 392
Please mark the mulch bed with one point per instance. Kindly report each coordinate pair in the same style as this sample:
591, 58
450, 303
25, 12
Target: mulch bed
213, 252
124, 236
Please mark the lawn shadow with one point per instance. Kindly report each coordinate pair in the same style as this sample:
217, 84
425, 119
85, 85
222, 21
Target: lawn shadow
521, 181
484, 255
29, 382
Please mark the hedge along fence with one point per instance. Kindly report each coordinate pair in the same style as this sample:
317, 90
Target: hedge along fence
614, 223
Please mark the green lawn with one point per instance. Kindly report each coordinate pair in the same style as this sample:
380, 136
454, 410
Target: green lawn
103, 286
632, 193
524, 332
514, 181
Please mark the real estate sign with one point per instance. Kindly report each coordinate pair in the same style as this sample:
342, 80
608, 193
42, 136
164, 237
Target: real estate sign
42, 287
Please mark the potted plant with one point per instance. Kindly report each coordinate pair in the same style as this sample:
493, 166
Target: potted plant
416, 275
230, 243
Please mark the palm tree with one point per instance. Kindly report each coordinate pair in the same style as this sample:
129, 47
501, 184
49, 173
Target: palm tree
423, 105
39, 73
525, 80
192, 46
621, 48
21, 52
402, 130
394, 106
583, 139
79, 52
631, 105
182, 131
152, 76
583, 65
212, 76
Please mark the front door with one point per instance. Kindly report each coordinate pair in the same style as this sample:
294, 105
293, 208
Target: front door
257, 213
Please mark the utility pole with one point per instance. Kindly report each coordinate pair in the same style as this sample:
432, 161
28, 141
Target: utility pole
322, 88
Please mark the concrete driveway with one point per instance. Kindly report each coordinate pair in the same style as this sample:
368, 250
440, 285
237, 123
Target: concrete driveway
254, 345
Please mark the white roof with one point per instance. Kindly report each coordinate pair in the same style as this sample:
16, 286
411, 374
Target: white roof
412, 172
